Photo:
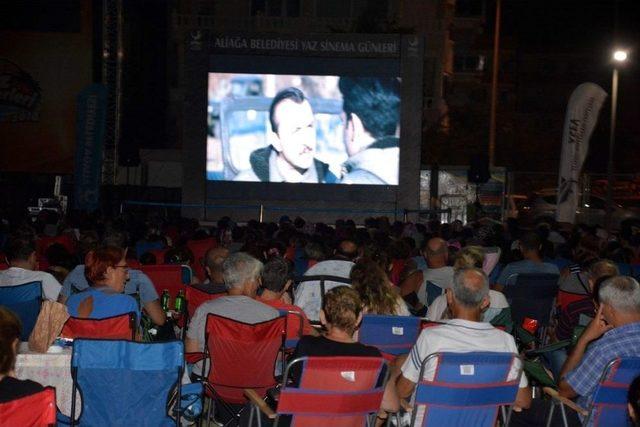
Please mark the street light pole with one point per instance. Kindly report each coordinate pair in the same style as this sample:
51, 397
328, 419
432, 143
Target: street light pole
619, 56
494, 86
612, 142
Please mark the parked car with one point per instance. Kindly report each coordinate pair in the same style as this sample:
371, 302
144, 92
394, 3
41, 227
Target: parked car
592, 210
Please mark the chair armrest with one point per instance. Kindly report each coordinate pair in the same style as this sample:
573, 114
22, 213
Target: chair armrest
193, 357
570, 403
261, 404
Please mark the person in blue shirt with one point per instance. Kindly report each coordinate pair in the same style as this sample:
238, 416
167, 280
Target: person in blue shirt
107, 271
138, 284
531, 264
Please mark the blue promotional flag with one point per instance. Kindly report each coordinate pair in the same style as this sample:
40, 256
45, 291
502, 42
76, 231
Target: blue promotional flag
91, 117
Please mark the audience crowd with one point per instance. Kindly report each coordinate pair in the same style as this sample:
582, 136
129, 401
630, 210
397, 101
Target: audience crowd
455, 274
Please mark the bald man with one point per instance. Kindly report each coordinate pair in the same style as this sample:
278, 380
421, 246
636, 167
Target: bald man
213, 261
467, 298
438, 272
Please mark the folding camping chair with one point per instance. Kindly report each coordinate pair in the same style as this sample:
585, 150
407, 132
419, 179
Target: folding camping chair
608, 406
199, 249
532, 297
25, 301
121, 327
240, 355
467, 389
341, 391
124, 382
294, 327
433, 291
37, 410
392, 335
564, 298
196, 297
167, 276
325, 282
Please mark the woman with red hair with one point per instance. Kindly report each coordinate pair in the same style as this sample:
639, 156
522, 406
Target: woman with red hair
107, 271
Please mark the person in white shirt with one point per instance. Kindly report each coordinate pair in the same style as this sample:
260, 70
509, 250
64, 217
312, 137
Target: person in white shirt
467, 299
307, 294
23, 264
438, 272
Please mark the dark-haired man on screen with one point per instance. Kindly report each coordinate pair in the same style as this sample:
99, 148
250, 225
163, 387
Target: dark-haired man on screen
291, 156
372, 109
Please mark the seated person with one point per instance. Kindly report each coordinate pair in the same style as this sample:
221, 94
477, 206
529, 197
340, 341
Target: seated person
106, 270
614, 332
340, 315
11, 388
469, 257
466, 332
569, 317
378, 294
23, 268
276, 281
213, 261
532, 263
138, 284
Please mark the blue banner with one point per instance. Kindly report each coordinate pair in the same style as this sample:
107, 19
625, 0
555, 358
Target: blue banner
91, 116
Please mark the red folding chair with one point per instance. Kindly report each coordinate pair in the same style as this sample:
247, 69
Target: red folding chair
167, 276
344, 391
565, 298
38, 409
240, 355
121, 327
196, 297
199, 249
43, 243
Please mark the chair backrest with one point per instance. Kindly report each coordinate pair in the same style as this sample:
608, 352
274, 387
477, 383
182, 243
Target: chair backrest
433, 292
195, 298
143, 247
491, 259
336, 391
43, 243
121, 327
565, 298
323, 281
38, 409
609, 403
532, 296
392, 335
199, 249
467, 389
25, 301
167, 276
125, 382
242, 355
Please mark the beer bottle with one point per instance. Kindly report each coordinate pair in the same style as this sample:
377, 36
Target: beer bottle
165, 300
180, 302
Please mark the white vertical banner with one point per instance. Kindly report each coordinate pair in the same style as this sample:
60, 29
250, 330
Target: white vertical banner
582, 115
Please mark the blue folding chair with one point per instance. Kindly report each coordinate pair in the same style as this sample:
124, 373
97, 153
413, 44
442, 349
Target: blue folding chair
24, 300
125, 382
392, 335
467, 389
433, 292
608, 406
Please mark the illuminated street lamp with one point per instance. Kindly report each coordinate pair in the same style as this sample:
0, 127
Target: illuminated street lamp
619, 57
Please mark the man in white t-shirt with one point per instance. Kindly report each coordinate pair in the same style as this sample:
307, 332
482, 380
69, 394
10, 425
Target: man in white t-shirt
23, 262
436, 252
464, 333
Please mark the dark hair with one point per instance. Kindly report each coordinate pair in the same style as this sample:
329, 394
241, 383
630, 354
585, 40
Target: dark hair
634, 400
530, 242
19, 248
9, 332
96, 262
275, 274
292, 93
375, 101
148, 258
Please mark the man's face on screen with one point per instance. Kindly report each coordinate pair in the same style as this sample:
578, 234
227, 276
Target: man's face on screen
296, 133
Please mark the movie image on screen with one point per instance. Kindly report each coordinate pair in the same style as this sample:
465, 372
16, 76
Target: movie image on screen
303, 129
